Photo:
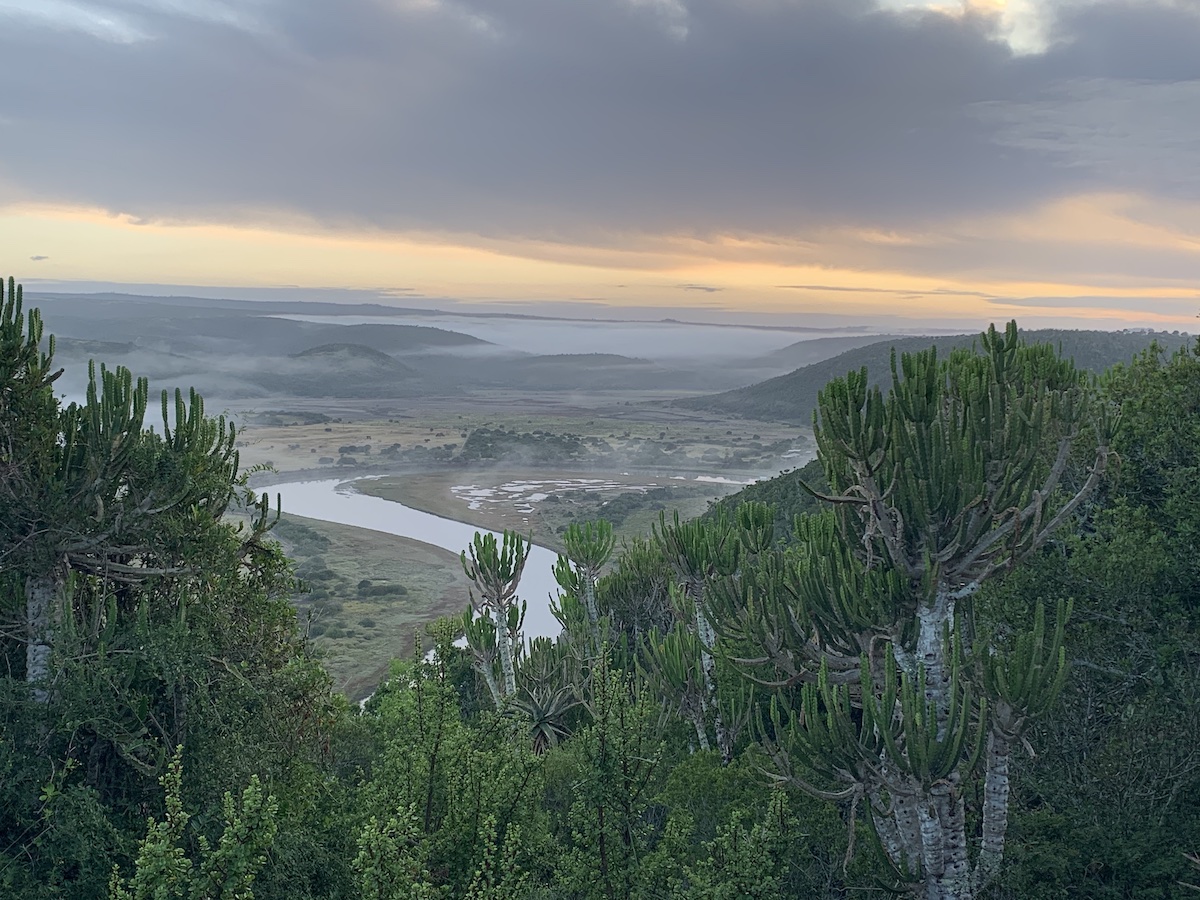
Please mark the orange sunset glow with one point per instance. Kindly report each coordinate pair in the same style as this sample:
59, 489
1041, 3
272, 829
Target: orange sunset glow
953, 162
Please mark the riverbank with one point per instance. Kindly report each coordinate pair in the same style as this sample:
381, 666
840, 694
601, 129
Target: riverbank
540, 503
367, 595
392, 529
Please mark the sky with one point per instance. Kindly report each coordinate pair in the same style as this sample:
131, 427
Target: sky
815, 160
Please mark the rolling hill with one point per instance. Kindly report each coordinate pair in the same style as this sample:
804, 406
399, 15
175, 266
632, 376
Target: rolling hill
334, 370
793, 397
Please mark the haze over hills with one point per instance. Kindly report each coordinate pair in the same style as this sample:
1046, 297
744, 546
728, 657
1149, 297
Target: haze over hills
805, 353
231, 350
793, 397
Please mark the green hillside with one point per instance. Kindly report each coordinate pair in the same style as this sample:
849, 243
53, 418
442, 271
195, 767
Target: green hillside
793, 397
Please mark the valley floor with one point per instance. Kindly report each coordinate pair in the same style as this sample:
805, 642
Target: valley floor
533, 463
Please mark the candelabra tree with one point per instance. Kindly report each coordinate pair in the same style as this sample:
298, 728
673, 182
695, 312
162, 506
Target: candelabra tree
94, 502
698, 552
889, 693
680, 662
588, 549
495, 568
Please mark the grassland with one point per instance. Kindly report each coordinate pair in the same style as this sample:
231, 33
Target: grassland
367, 594
541, 503
617, 437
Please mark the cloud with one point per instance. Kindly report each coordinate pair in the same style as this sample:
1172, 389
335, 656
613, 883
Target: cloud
603, 123
95, 20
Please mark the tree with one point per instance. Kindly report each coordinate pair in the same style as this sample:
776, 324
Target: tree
588, 549
958, 474
105, 497
495, 570
634, 596
136, 619
1114, 791
442, 795
618, 759
699, 552
29, 423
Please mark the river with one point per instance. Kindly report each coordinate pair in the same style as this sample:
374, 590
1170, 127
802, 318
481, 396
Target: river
335, 500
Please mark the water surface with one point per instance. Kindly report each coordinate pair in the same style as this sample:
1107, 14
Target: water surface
336, 500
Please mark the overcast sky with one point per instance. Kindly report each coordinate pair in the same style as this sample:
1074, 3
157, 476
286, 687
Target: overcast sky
948, 160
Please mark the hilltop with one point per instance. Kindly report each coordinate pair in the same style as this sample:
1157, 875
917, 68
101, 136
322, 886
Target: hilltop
793, 397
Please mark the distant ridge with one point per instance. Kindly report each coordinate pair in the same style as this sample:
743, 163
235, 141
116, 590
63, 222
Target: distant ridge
397, 338
815, 350
793, 397
352, 355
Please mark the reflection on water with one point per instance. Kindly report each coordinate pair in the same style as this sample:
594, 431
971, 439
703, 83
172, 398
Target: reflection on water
337, 501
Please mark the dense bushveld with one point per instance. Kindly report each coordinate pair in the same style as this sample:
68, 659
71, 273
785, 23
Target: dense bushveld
962, 662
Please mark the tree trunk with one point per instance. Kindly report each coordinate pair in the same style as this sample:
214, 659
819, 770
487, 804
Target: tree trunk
708, 667
995, 810
697, 717
908, 829
589, 599
489, 678
41, 596
593, 612
931, 652
504, 645
952, 878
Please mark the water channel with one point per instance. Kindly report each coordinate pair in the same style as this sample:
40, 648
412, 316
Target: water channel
335, 500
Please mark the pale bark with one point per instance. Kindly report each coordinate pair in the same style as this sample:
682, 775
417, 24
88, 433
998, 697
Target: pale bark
589, 600
954, 880
885, 827
41, 596
708, 666
931, 652
593, 611
908, 827
933, 839
995, 810
701, 731
489, 678
504, 645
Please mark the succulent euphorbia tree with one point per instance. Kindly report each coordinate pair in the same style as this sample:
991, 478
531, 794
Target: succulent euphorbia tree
956, 474
495, 569
88, 492
588, 548
699, 552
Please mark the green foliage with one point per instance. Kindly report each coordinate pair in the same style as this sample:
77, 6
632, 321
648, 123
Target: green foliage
222, 872
634, 595
785, 495
744, 862
617, 766
442, 795
883, 660
1108, 805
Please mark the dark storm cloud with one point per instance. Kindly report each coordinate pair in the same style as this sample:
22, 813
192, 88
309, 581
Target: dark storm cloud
578, 120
